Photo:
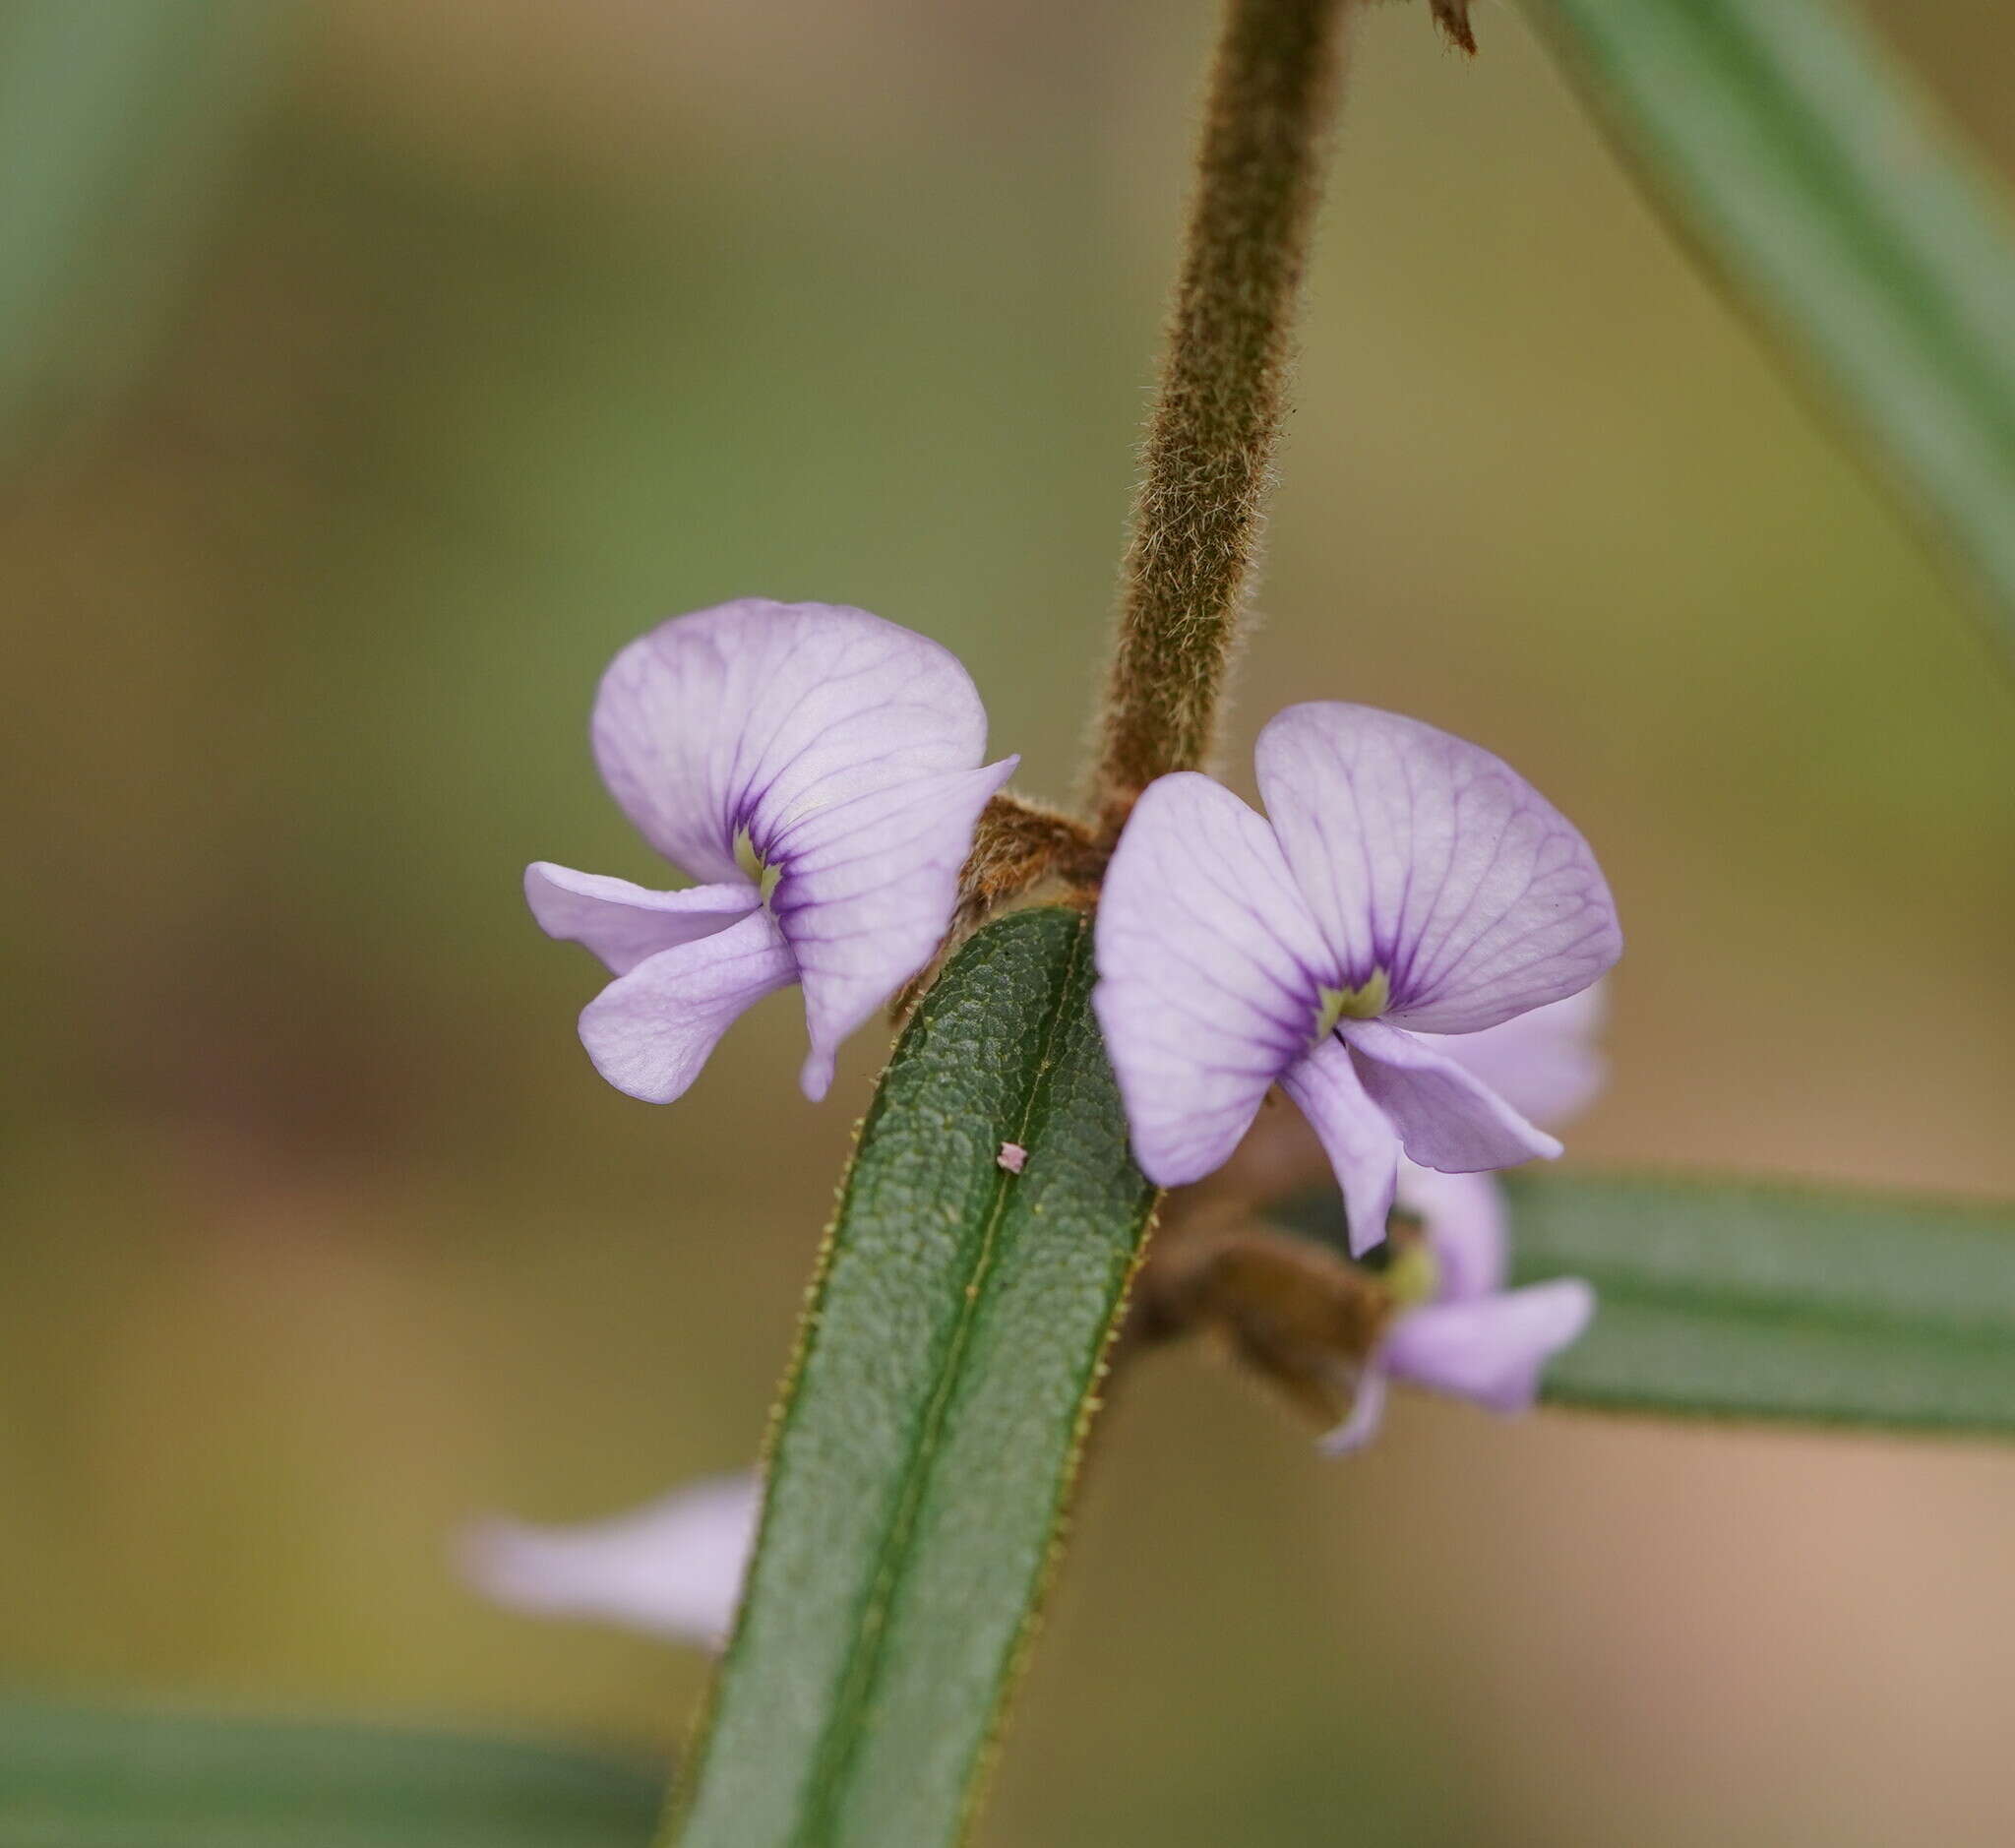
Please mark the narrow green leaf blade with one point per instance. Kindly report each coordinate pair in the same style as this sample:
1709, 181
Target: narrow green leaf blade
79, 1777
1774, 1302
1809, 174
927, 1440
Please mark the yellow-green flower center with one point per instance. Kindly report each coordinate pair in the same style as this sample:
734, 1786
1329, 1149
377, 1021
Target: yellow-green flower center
763, 878
1367, 1002
1413, 1277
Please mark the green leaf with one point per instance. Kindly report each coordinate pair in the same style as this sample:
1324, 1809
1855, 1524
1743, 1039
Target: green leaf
1725, 1299
73, 1777
1812, 178
1750, 1301
930, 1433
119, 125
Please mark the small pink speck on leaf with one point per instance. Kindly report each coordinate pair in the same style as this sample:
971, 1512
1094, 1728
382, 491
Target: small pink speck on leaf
1011, 1157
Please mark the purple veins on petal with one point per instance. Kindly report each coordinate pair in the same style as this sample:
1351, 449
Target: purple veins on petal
1426, 855
1405, 888
1210, 971
821, 767
867, 892
755, 714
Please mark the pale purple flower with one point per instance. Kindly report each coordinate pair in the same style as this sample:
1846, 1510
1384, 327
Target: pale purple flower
1407, 886
671, 1569
820, 768
1462, 1332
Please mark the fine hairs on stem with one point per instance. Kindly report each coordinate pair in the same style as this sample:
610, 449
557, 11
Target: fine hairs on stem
1207, 458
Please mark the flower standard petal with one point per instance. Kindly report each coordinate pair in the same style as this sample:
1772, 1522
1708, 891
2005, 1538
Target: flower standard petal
1492, 1349
1447, 1118
1210, 973
1356, 1135
622, 923
1426, 858
829, 756
672, 1568
749, 715
865, 892
650, 1031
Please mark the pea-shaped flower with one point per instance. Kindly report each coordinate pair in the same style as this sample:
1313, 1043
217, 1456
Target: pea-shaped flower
1407, 883
820, 769
1460, 1331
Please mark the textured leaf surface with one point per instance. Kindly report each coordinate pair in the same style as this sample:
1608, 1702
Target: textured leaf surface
1803, 168
927, 1441
73, 1777
1778, 1302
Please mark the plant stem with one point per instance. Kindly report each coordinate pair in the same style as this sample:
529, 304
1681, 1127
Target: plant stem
1208, 459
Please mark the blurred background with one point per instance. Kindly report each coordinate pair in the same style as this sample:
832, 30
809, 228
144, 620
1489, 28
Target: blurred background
371, 369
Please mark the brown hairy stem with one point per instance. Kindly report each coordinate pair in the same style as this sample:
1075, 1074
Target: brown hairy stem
1297, 1316
1207, 458
1016, 845
1452, 16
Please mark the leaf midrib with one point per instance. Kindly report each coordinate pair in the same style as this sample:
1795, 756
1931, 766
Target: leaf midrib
1621, 1283
1885, 246
843, 1733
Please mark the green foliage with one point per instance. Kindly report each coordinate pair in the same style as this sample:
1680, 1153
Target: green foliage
1725, 1299
75, 1777
116, 123
927, 1440
1778, 1302
1809, 174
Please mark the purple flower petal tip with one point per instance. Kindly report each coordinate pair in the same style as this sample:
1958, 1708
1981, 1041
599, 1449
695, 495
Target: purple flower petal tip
624, 924
672, 1568
820, 768
1547, 1065
650, 1031
815, 1075
1490, 1350
1367, 1415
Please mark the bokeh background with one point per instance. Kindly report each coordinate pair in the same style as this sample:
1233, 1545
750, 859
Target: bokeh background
371, 369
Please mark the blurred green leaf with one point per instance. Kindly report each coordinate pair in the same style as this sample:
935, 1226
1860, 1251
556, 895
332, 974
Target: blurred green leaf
116, 127
931, 1431
75, 1777
1806, 171
1747, 1301
1727, 1299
